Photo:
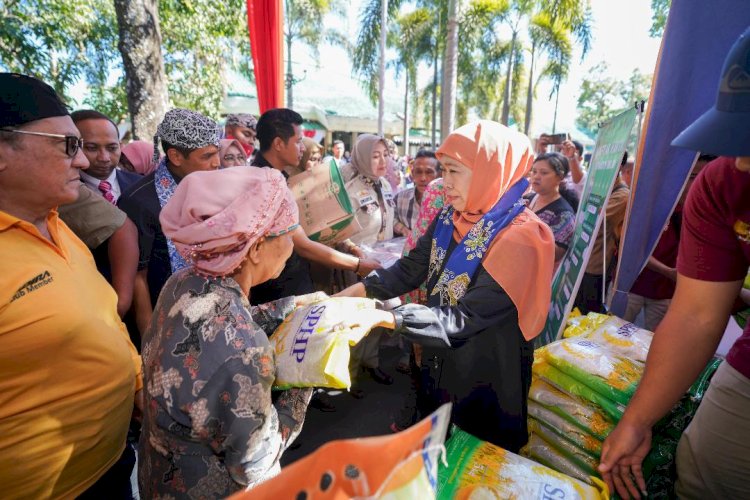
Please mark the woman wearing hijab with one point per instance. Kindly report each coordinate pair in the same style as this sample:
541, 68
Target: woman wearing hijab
211, 426
488, 265
231, 153
310, 158
372, 199
138, 157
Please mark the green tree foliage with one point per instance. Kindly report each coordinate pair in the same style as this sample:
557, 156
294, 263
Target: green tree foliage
552, 27
481, 61
603, 97
202, 40
304, 23
413, 39
365, 54
58, 41
64, 42
659, 12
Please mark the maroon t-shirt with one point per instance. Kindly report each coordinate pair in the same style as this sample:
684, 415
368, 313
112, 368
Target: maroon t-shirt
651, 284
715, 240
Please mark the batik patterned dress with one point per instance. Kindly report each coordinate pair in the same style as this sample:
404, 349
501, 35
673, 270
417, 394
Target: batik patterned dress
211, 425
433, 201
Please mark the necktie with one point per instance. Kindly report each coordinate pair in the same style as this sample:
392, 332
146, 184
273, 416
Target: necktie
106, 189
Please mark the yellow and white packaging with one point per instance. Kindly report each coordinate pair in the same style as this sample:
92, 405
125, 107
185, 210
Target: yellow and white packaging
312, 345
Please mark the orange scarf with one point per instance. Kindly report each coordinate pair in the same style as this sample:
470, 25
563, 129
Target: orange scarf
522, 256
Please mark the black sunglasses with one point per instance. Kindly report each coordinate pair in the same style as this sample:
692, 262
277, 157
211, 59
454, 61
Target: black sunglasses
72, 143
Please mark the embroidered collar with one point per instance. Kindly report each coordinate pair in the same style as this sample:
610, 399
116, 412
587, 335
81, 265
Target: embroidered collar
465, 259
165, 185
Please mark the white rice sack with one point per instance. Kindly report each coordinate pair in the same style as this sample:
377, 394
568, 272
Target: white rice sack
312, 345
624, 338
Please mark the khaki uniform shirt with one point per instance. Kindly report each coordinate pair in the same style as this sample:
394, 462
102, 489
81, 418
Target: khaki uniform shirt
376, 220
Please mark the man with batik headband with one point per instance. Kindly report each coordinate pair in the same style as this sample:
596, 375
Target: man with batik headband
191, 143
241, 126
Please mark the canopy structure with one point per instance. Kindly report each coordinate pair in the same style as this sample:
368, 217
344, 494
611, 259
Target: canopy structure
684, 87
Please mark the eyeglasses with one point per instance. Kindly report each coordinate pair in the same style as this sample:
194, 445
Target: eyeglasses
238, 158
72, 143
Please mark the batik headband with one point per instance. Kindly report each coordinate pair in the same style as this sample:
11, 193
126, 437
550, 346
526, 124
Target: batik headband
186, 129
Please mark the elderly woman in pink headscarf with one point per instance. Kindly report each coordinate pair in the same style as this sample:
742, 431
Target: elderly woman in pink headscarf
210, 426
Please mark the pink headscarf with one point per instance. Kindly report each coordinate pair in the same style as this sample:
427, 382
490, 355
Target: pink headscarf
141, 155
215, 216
522, 256
224, 145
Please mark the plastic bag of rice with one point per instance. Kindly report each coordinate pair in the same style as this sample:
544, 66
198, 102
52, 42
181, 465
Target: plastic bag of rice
583, 325
586, 415
313, 343
543, 452
581, 458
565, 383
564, 429
478, 470
624, 338
604, 370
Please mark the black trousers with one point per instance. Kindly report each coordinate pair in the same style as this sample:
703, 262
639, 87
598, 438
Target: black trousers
589, 298
115, 483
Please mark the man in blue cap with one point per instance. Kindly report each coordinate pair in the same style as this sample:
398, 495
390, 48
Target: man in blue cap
713, 457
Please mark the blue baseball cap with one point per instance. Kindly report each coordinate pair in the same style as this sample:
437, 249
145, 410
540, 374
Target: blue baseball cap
725, 128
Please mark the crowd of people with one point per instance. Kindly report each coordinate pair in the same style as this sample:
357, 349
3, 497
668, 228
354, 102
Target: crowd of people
142, 282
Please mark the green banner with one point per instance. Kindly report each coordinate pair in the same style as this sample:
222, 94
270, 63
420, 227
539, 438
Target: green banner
605, 163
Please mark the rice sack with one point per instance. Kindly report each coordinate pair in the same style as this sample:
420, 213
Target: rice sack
312, 345
564, 429
478, 470
586, 415
565, 383
572, 453
606, 371
541, 451
624, 338
583, 325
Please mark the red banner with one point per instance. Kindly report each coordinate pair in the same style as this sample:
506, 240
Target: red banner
265, 23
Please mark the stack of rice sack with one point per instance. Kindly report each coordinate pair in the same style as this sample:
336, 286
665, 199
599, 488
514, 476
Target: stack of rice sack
478, 470
581, 386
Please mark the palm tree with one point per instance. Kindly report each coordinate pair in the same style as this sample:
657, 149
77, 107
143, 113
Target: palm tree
413, 41
450, 65
519, 10
365, 56
482, 58
304, 23
552, 39
550, 30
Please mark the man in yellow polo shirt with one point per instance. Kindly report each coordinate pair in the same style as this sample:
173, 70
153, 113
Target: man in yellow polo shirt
68, 372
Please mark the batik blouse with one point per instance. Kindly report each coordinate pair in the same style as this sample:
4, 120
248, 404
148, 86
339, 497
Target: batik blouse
211, 425
560, 217
433, 201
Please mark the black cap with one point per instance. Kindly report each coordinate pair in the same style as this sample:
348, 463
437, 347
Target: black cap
25, 99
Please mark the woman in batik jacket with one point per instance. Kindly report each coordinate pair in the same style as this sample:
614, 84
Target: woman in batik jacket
487, 261
210, 424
